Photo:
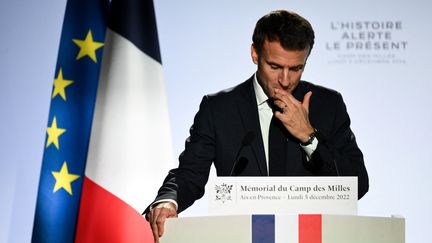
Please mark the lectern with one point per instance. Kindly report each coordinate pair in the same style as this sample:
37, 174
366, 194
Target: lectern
284, 210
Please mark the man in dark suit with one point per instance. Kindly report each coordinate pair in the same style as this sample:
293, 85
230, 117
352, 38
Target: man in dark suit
273, 124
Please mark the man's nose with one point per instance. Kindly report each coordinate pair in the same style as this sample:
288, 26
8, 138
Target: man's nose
284, 77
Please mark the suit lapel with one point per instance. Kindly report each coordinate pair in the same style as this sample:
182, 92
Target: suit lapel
248, 110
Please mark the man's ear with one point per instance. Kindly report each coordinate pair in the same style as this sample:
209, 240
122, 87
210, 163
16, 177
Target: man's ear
254, 54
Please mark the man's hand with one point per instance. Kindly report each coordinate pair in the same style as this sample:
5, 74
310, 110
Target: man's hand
157, 217
295, 114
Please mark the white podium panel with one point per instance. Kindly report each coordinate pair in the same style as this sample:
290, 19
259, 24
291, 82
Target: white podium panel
208, 229
302, 228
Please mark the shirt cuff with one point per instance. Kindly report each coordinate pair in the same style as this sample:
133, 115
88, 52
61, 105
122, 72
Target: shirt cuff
309, 149
164, 201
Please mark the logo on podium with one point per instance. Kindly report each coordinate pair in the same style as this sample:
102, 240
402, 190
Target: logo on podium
223, 192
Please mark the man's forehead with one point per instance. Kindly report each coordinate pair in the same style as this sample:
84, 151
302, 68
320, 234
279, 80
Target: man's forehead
273, 52
272, 43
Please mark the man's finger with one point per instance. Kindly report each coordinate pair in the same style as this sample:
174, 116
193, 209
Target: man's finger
286, 97
153, 216
281, 95
306, 101
155, 232
158, 216
160, 221
280, 104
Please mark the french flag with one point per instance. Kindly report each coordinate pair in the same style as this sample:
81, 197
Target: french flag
130, 146
274, 228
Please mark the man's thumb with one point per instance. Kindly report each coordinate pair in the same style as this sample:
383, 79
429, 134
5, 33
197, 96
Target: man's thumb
306, 100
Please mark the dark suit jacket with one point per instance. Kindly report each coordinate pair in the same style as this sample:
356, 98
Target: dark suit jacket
224, 119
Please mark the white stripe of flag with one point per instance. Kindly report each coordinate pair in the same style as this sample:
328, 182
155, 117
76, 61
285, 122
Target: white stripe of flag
130, 145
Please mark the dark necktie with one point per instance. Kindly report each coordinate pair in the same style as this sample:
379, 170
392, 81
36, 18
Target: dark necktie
277, 146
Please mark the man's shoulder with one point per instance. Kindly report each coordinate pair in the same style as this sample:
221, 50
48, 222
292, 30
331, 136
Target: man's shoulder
239, 90
225, 103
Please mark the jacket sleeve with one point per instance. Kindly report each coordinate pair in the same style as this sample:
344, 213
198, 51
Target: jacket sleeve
337, 153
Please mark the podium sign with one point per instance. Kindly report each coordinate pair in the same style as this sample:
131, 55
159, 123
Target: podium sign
282, 195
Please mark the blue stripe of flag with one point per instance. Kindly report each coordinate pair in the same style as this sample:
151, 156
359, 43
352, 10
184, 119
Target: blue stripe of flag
135, 20
263, 229
57, 212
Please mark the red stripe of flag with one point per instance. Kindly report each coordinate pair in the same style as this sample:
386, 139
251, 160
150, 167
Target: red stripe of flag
310, 228
104, 217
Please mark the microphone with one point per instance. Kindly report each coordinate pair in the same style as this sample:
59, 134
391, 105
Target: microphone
336, 167
240, 163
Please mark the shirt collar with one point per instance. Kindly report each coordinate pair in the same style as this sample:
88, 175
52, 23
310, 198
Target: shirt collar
260, 96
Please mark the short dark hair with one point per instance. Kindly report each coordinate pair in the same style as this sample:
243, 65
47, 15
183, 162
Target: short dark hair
292, 31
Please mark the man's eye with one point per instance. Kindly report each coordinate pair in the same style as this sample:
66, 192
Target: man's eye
274, 66
296, 69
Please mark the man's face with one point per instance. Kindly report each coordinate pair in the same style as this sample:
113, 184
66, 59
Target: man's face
279, 68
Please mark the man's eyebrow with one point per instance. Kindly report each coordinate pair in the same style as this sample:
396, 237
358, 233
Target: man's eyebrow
273, 63
292, 67
297, 66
